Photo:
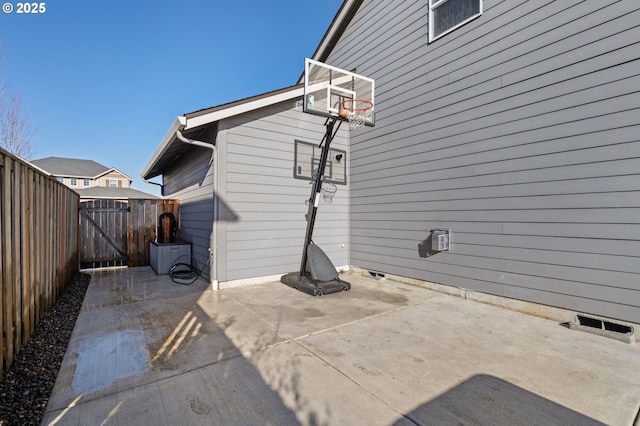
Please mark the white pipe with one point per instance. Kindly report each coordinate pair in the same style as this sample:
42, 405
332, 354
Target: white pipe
212, 252
181, 137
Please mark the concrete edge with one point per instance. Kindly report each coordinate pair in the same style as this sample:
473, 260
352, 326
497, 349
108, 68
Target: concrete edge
246, 282
266, 279
530, 308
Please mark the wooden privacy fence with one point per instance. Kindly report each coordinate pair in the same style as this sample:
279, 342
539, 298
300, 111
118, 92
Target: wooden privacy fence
143, 226
38, 249
103, 235
118, 233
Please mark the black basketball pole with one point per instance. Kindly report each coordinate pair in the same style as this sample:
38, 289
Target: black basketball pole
317, 275
314, 198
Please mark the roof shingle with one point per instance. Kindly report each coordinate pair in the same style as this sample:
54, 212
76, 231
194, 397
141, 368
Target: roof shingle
74, 167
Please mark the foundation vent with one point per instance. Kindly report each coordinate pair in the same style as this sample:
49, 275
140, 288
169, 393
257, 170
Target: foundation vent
376, 275
603, 327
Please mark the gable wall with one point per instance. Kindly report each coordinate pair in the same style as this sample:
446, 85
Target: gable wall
191, 182
265, 205
520, 133
123, 182
261, 223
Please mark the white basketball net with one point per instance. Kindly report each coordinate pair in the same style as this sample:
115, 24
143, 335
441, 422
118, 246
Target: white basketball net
328, 191
356, 121
358, 112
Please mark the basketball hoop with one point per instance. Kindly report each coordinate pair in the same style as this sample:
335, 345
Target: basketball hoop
357, 111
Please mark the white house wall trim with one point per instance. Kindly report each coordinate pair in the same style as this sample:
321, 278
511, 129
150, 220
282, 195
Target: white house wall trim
106, 172
214, 116
182, 123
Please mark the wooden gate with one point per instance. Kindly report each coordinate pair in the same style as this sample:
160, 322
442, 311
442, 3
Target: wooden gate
103, 233
118, 233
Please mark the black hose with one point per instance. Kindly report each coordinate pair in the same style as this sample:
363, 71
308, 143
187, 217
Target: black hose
186, 274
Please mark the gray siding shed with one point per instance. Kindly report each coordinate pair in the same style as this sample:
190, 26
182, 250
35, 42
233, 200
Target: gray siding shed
518, 131
261, 223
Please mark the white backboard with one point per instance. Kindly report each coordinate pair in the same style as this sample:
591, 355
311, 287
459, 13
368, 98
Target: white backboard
326, 87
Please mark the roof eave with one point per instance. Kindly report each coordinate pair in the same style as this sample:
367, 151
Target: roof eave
335, 31
178, 124
211, 115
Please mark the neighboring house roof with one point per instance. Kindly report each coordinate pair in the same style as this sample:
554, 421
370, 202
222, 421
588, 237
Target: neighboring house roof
74, 167
40, 169
70, 166
113, 169
113, 193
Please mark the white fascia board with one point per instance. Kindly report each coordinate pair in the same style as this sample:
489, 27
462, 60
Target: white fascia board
113, 169
178, 124
324, 44
242, 108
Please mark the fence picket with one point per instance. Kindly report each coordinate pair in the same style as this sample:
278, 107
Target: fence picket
41, 242
38, 249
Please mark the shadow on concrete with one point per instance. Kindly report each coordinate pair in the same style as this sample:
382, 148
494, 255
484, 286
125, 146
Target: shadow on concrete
489, 400
148, 351
161, 355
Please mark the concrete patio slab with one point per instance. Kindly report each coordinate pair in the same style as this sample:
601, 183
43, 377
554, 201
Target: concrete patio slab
148, 351
232, 393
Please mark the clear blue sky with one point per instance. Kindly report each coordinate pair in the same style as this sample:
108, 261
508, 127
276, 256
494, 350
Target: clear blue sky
104, 80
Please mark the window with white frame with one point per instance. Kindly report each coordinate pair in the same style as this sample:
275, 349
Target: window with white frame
113, 183
86, 182
74, 181
447, 15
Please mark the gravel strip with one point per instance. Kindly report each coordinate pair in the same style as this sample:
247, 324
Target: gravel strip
27, 386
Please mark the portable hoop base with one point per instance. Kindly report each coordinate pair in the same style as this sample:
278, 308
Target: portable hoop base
317, 275
305, 284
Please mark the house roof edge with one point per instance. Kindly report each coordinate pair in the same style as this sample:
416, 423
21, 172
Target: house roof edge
178, 124
230, 109
337, 27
